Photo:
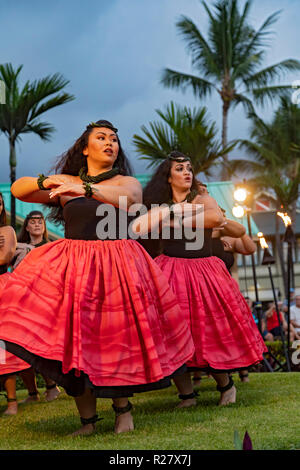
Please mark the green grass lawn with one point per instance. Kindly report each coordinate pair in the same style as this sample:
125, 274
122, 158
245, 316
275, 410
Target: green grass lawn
268, 408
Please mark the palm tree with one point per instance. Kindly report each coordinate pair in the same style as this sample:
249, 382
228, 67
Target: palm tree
229, 60
183, 129
20, 114
275, 151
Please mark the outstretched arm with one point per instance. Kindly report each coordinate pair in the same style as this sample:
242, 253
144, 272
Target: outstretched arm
26, 189
213, 216
233, 229
8, 243
243, 245
126, 186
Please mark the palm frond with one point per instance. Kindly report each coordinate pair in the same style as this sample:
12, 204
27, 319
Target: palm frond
271, 93
188, 130
200, 86
259, 39
197, 46
43, 129
275, 71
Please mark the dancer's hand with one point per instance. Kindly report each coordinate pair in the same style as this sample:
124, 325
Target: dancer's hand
23, 246
70, 189
54, 181
220, 227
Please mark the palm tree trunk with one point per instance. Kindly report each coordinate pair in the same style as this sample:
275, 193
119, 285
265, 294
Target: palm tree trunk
224, 174
12, 163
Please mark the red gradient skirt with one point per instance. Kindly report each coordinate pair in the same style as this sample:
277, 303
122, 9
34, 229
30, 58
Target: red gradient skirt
9, 364
225, 335
101, 310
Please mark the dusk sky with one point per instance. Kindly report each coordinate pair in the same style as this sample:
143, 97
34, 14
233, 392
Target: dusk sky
113, 52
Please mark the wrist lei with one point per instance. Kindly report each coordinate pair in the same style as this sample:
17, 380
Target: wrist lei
88, 189
40, 180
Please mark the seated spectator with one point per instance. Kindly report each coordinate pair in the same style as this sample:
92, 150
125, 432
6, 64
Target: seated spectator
295, 316
273, 325
292, 301
267, 336
32, 235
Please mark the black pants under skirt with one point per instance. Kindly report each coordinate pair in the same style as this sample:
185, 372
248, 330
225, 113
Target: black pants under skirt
75, 386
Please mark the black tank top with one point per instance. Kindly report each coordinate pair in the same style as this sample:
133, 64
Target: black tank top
83, 223
3, 268
176, 248
219, 252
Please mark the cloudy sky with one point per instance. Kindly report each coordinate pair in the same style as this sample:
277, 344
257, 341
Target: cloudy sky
113, 53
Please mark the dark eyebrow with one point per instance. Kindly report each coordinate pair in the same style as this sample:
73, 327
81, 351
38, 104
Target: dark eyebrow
182, 164
104, 133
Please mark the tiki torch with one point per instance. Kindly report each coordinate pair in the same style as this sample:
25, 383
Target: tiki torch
268, 259
289, 239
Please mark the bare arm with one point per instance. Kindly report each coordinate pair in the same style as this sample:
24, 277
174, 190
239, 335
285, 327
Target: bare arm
243, 245
125, 186
26, 189
151, 221
8, 248
160, 216
233, 229
295, 324
213, 216
293, 319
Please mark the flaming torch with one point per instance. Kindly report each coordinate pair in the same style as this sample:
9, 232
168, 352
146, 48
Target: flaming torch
289, 239
268, 259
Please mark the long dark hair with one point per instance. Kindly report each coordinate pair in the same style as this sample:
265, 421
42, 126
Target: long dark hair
3, 213
24, 235
158, 190
70, 162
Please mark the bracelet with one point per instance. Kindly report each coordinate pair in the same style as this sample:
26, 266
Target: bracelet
40, 180
88, 189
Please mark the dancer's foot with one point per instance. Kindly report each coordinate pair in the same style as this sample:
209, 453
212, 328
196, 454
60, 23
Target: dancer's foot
32, 397
124, 423
228, 393
85, 430
187, 403
124, 419
12, 407
187, 400
88, 426
51, 393
228, 397
244, 377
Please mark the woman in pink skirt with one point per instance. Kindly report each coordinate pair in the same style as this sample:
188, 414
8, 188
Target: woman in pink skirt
222, 326
93, 311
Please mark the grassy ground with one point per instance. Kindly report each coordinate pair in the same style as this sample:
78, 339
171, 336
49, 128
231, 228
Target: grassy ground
268, 408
